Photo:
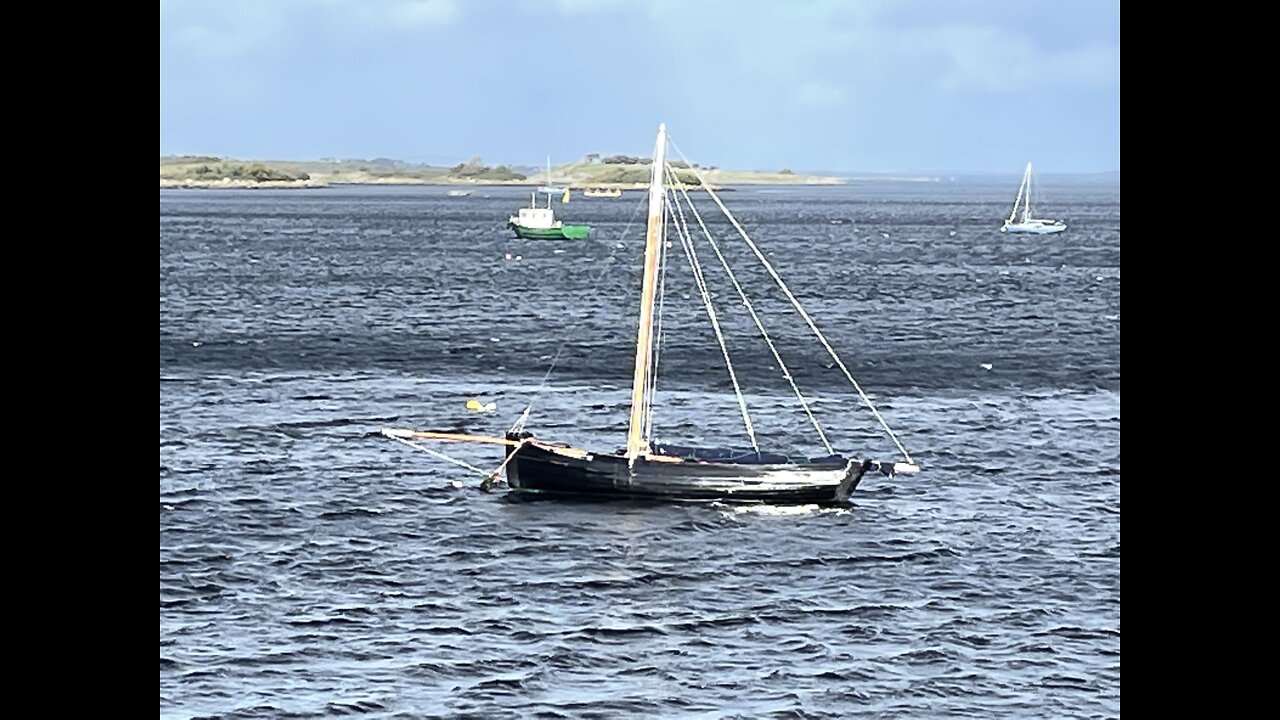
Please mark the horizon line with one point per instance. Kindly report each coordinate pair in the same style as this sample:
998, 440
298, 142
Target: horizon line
828, 172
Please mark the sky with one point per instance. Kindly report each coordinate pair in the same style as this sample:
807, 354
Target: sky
837, 85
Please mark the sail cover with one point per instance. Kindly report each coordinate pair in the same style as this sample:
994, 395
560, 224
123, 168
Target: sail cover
739, 456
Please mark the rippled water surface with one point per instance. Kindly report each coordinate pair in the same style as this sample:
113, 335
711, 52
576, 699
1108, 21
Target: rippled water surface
311, 567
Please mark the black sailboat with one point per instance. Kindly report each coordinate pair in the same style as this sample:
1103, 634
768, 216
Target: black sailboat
657, 471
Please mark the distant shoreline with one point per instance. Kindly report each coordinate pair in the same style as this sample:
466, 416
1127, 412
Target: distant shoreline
229, 184
202, 172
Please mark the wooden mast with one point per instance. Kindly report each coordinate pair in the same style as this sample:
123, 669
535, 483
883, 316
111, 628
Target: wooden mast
637, 444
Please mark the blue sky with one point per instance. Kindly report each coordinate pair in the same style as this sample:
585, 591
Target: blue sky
856, 86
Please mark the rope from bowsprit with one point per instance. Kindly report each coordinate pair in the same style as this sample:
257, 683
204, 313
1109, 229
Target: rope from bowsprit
408, 437
497, 474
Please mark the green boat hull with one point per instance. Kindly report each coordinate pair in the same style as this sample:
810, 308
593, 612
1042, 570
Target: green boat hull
564, 232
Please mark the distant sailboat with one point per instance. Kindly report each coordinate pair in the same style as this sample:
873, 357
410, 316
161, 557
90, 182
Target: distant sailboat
1029, 224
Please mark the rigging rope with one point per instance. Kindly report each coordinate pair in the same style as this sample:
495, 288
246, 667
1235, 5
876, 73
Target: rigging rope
750, 309
796, 304
657, 342
691, 253
438, 454
537, 393
490, 475
493, 476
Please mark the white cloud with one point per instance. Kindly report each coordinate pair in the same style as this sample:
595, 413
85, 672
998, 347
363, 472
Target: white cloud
873, 43
232, 28
985, 58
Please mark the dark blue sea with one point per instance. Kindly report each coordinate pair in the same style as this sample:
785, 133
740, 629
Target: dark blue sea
310, 567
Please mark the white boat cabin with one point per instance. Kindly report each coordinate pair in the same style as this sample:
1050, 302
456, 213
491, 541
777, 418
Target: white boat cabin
537, 218
534, 217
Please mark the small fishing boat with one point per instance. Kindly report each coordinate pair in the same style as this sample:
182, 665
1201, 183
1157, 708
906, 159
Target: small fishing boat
540, 223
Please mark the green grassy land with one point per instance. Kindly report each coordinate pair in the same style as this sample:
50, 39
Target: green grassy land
205, 171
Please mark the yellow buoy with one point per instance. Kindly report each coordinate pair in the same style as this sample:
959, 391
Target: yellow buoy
475, 405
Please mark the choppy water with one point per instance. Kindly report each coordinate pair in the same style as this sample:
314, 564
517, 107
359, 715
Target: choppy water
308, 568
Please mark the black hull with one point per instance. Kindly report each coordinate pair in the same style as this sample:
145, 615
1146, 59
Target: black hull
538, 470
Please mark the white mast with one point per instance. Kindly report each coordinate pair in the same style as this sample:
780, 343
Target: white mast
1022, 188
1026, 199
637, 444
